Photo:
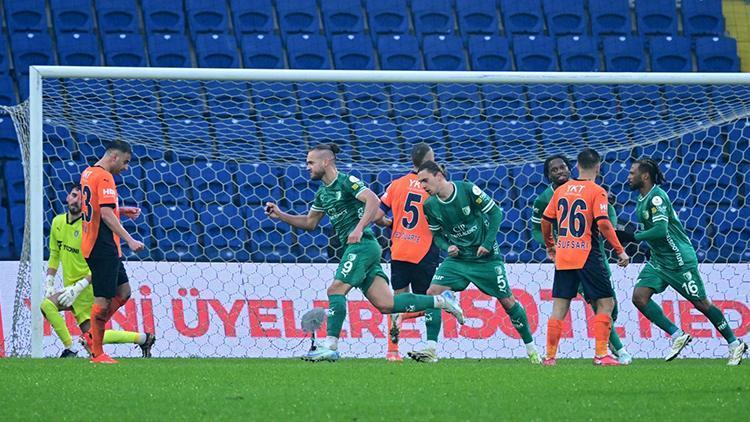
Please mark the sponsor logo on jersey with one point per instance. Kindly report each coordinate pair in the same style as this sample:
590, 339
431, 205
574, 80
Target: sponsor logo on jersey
75, 233
656, 200
476, 190
108, 191
466, 210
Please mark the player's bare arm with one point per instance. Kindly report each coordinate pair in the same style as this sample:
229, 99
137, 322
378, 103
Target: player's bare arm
372, 206
307, 222
111, 220
130, 212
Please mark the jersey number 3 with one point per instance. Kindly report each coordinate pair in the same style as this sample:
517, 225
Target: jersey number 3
571, 218
87, 201
411, 208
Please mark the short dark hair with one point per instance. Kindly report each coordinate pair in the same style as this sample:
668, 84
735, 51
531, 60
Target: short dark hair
588, 158
335, 149
418, 153
121, 146
74, 185
433, 168
652, 167
551, 158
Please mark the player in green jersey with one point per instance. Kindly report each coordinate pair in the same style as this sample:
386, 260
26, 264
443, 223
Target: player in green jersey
673, 262
464, 222
77, 296
557, 171
351, 207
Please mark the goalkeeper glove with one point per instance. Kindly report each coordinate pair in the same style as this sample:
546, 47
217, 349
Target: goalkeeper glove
625, 236
70, 293
49, 286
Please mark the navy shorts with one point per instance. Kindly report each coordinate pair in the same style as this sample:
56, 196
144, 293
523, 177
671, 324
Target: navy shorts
593, 277
107, 273
418, 276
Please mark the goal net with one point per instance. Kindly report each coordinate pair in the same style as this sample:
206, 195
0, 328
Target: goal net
220, 279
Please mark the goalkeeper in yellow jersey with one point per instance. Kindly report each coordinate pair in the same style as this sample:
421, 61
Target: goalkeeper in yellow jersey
77, 296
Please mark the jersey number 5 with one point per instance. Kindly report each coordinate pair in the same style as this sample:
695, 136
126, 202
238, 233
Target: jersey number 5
87, 201
410, 207
571, 218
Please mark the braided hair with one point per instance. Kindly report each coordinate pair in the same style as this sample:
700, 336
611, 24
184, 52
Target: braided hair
652, 167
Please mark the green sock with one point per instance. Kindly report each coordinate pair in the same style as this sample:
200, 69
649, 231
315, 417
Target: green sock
409, 302
336, 314
655, 314
433, 318
716, 317
117, 337
57, 322
614, 339
518, 318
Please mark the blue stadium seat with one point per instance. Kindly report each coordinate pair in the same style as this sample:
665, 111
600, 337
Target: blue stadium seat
477, 17
225, 234
469, 139
423, 130
163, 16
306, 51
169, 50
284, 139
14, 184
237, 136
228, 101
412, 100
9, 148
387, 17
269, 241
181, 99
353, 52
274, 99
702, 17
319, 100
459, 101
166, 183
578, 54
550, 101
670, 54
262, 51
565, 17
738, 139
662, 150
78, 50
377, 141
129, 187
182, 132
258, 184
432, 17
124, 50
297, 17
522, 17
556, 133
31, 49
641, 102
117, 16
624, 54
217, 51
72, 16
212, 182
495, 182
717, 54
504, 101
207, 16
298, 189
329, 130
716, 184
656, 17
25, 16
5, 250
135, 100
600, 133
610, 17
444, 52
535, 53
7, 91
399, 52
17, 221
313, 245
4, 61
702, 146
252, 17
176, 233
489, 53
341, 17
530, 178
595, 101
367, 100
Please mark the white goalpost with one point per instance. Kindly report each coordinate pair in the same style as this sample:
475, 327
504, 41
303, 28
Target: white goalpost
211, 145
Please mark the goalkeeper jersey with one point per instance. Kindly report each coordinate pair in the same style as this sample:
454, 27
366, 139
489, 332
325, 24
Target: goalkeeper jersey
65, 246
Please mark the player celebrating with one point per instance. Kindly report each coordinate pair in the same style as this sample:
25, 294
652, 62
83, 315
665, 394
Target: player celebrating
102, 232
557, 171
77, 296
464, 222
673, 262
414, 257
579, 208
351, 206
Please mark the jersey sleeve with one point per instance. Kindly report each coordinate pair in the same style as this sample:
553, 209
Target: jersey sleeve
317, 204
354, 186
107, 194
536, 219
658, 205
387, 198
479, 199
599, 204
54, 246
612, 215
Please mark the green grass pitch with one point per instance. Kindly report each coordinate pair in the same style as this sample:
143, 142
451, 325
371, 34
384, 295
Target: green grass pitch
368, 389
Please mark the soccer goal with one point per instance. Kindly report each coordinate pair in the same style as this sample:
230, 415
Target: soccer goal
211, 146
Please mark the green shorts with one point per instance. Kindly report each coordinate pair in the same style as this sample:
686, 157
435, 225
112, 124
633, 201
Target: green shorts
360, 265
488, 276
82, 305
686, 280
